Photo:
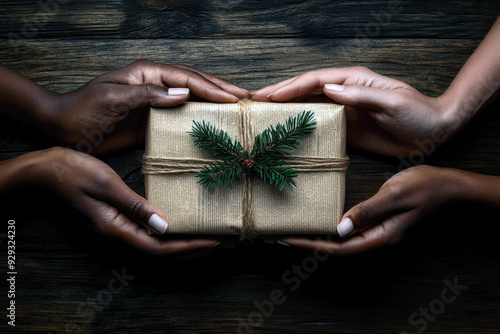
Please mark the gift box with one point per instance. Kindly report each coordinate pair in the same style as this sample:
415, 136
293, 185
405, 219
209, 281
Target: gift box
251, 206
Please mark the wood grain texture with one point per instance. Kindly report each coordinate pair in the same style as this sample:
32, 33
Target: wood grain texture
64, 272
153, 19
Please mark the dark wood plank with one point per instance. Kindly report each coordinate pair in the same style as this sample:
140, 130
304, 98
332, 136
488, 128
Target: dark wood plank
205, 297
236, 18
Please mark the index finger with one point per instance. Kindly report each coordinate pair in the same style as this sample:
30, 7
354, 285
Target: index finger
309, 83
263, 93
174, 76
146, 72
224, 84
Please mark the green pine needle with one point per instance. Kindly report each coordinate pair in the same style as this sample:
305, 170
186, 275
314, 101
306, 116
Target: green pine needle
217, 141
265, 158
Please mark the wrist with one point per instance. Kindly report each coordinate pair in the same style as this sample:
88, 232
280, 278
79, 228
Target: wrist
48, 166
23, 99
21, 171
455, 113
455, 183
480, 188
460, 185
47, 113
446, 184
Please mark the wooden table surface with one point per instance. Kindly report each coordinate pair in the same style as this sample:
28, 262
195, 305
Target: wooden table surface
69, 281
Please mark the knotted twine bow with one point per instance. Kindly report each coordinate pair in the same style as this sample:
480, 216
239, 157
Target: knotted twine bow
163, 165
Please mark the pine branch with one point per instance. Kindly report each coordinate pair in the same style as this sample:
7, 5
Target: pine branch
223, 173
217, 141
283, 139
265, 158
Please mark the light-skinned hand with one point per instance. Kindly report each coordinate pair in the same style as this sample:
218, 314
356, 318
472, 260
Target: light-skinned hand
383, 115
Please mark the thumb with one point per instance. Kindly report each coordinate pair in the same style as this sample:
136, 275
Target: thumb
141, 210
366, 214
361, 96
119, 195
139, 96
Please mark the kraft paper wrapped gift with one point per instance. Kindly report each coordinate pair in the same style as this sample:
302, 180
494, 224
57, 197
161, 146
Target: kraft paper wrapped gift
250, 207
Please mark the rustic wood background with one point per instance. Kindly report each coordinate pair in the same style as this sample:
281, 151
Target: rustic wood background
63, 273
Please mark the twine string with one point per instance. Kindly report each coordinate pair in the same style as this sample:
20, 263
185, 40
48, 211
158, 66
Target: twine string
246, 133
159, 165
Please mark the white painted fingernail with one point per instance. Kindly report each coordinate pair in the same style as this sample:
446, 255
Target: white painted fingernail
334, 87
345, 227
157, 223
178, 91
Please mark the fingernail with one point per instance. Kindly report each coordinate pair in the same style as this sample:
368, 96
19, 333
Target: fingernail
178, 91
282, 243
234, 98
214, 245
345, 227
157, 223
334, 87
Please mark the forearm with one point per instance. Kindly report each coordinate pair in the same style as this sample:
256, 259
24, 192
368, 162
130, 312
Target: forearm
480, 188
23, 99
20, 171
477, 82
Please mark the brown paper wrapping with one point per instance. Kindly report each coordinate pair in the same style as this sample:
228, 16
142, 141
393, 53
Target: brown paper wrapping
313, 207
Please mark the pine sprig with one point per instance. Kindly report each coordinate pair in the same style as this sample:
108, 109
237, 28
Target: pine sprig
223, 173
217, 141
283, 139
265, 158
